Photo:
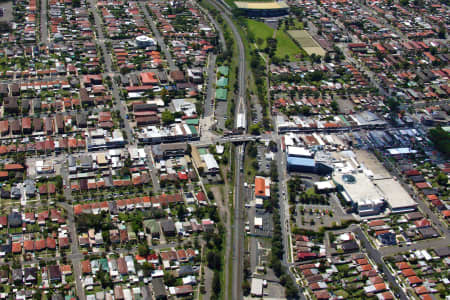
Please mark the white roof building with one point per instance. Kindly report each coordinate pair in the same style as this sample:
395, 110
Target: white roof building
325, 185
258, 222
257, 287
299, 152
240, 121
211, 163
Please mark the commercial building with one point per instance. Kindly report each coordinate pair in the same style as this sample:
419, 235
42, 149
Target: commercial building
294, 151
144, 41
263, 9
325, 186
262, 187
398, 199
211, 164
367, 191
307, 165
301, 164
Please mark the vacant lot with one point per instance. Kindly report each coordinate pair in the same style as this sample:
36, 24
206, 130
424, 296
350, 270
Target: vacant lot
305, 40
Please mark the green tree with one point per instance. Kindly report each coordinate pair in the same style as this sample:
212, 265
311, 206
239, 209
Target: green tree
143, 250
59, 182
393, 105
167, 117
273, 171
252, 149
255, 129
334, 106
169, 279
441, 140
214, 260
442, 178
216, 283
165, 96
442, 31
246, 287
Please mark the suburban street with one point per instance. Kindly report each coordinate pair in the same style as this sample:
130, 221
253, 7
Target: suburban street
43, 23
78, 206
158, 37
109, 70
375, 255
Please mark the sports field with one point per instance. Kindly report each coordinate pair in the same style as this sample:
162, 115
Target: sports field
260, 4
305, 40
285, 45
260, 30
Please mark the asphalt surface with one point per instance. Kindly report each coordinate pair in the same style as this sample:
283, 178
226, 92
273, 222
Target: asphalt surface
109, 69
153, 171
223, 45
43, 25
158, 37
75, 255
284, 214
210, 95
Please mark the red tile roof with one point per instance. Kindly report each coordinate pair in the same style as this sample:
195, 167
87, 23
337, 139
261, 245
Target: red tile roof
422, 223
86, 267
423, 185
375, 223
13, 167
39, 245
63, 242
403, 265
51, 243
414, 280
16, 248
408, 272
28, 245
420, 290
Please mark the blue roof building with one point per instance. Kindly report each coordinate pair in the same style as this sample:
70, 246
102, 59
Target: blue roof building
301, 164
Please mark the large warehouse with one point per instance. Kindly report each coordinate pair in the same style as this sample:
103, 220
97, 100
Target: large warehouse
300, 159
263, 9
380, 190
307, 165
369, 200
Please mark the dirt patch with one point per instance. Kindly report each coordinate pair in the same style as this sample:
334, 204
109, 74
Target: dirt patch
217, 192
208, 282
